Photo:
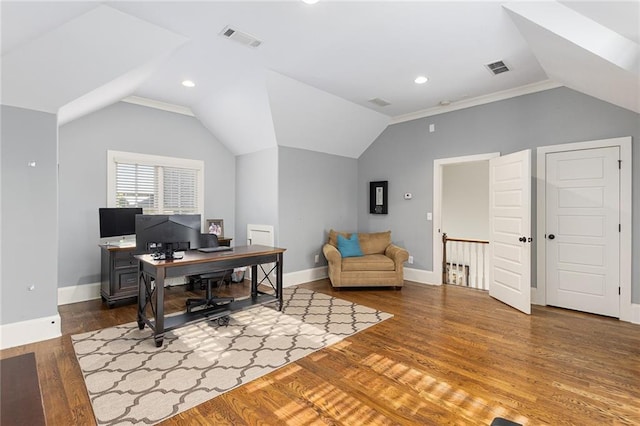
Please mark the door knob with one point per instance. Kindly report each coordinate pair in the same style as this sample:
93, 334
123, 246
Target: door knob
522, 239
551, 236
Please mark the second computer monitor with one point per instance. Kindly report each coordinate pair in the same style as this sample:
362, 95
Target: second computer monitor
166, 234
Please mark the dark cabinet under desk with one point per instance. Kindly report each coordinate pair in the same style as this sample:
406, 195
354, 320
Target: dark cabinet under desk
119, 274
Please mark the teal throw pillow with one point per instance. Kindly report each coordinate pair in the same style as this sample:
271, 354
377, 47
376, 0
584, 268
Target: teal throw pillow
350, 247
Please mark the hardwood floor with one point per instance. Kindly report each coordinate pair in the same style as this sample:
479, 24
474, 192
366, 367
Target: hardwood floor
449, 355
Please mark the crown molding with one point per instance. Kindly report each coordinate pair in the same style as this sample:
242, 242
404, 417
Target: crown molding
480, 100
165, 106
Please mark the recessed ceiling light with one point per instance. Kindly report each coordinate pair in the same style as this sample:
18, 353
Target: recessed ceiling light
310, 1
421, 79
188, 83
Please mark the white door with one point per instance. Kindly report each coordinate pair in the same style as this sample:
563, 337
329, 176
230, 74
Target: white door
510, 229
582, 230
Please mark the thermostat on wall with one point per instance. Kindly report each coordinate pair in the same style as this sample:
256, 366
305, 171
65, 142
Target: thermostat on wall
408, 196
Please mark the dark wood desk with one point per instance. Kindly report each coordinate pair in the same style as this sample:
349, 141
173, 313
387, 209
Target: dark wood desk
152, 273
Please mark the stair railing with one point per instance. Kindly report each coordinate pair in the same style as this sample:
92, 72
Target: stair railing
465, 262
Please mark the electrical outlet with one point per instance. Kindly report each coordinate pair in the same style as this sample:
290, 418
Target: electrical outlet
410, 260
317, 258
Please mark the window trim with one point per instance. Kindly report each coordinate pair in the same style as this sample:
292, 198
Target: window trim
114, 157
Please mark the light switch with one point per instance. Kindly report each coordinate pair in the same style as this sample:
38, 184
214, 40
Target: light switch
429, 216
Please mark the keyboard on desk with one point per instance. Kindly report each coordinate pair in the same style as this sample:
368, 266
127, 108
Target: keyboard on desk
214, 249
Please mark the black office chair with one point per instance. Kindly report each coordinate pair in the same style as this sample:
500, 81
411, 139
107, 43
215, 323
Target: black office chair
206, 281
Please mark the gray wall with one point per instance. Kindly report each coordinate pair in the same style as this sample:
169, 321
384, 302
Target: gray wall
257, 192
29, 215
316, 193
402, 156
404, 153
83, 174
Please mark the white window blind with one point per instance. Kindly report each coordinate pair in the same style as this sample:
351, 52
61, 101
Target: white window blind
137, 186
160, 185
179, 191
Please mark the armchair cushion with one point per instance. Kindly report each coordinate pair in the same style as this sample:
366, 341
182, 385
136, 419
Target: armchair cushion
375, 242
371, 262
349, 247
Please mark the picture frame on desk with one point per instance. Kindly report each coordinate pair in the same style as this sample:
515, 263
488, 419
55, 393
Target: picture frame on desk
215, 226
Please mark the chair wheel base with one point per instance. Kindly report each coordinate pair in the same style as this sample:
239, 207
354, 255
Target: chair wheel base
223, 321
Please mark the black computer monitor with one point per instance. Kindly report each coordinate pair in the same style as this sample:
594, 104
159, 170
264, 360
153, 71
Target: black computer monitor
163, 235
118, 221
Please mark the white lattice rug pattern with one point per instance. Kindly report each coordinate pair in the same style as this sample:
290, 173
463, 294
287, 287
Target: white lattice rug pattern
130, 381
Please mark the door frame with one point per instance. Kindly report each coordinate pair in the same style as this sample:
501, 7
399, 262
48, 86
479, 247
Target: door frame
539, 294
436, 274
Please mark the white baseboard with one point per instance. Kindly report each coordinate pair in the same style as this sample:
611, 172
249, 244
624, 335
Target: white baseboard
420, 276
78, 293
308, 275
304, 276
25, 332
635, 313
84, 292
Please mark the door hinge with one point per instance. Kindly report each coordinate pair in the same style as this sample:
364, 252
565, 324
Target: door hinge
620, 164
618, 290
619, 227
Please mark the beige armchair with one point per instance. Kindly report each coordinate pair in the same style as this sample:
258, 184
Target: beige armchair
381, 265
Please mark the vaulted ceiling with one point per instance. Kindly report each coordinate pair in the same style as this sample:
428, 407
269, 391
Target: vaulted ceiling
310, 81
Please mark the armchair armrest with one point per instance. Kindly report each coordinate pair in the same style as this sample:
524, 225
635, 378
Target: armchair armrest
397, 254
332, 255
335, 264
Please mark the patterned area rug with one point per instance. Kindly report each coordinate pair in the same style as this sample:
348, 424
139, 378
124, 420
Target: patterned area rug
130, 381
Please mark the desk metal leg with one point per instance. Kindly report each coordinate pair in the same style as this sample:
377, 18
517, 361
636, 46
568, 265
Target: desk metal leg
158, 335
279, 281
141, 297
254, 281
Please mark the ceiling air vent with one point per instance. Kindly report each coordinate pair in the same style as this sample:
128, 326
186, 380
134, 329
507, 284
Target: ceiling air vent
379, 102
497, 67
240, 37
